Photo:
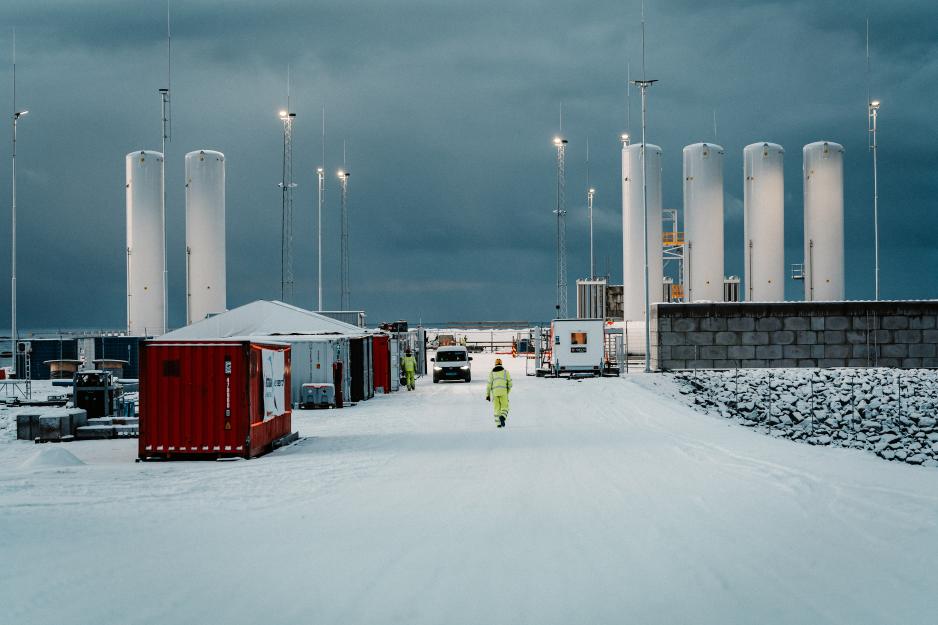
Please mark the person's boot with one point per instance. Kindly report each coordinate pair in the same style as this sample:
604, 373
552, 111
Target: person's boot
501, 421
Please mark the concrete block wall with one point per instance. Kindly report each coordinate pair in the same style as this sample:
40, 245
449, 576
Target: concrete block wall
902, 334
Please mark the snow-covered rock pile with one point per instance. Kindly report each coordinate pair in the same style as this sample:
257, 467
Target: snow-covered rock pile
890, 412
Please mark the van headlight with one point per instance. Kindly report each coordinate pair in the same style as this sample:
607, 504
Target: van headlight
465, 367
435, 368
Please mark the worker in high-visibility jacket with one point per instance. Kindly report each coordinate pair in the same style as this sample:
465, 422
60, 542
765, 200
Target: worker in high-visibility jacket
409, 365
497, 390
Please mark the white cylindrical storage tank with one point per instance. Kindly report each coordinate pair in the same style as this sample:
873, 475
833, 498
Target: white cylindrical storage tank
824, 221
764, 222
205, 235
633, 270
145, 244
703, 222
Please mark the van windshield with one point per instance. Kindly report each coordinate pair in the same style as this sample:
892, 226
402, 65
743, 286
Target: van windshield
454, 356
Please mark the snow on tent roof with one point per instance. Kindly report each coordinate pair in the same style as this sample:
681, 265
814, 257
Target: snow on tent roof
264, 318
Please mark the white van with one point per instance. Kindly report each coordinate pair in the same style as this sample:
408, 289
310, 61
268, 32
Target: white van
452, 363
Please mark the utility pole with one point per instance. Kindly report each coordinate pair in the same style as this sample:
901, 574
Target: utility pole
321, 171
561, 211
344, 252
874, 147
166, 116
643, 85
589, 200
14, 338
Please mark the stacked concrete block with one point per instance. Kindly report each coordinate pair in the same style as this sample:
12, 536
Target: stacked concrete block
795, 334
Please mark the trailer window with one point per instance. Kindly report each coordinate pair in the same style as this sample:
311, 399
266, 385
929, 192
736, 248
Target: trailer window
578, 338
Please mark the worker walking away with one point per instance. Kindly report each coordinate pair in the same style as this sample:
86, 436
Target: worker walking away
463, 341
409, 365
497, 390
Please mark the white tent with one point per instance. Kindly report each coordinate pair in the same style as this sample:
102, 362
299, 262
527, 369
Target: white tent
265, 318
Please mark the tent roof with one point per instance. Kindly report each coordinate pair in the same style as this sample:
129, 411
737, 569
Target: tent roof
267, 319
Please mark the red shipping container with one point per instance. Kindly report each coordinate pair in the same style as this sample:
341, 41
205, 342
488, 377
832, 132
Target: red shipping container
381, 357
213, 399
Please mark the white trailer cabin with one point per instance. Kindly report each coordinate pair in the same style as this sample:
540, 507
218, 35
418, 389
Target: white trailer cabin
577, 346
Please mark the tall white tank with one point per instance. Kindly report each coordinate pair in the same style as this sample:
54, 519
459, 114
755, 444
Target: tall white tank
824, 221
205, 234
703, 222
145, 244
633, 280
764, 222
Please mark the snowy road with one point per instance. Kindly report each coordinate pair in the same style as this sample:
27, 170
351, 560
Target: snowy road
603, 502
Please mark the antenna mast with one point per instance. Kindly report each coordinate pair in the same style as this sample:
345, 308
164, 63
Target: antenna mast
165, 117
344, 268
561, 144
286, 192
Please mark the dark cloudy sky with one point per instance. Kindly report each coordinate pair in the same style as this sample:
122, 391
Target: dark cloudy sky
448, 109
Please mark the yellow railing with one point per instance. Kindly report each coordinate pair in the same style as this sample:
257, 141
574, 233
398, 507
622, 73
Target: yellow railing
672, 238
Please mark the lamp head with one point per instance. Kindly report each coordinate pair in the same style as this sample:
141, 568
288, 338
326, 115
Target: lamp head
19, 114
283, 114
874, 105
624, 137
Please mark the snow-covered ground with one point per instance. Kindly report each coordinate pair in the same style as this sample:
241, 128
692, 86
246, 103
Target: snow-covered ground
604, 501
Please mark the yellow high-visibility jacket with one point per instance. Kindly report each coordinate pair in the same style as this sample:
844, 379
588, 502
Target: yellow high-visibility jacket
409, 364
499, 382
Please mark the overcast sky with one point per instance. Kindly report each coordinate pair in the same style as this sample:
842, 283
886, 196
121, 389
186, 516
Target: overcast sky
448, 109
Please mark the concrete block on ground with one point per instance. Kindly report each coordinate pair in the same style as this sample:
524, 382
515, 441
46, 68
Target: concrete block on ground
713, 352
930, 336
741, 324
785, 363
930, 363
890, 362
754, 338
725, 364
863, 351
782, 337
713, 324
796, 323
807, 362
925, 322
834, 337
673, 338
684, 324
664, 324
908, 336
806, 337
768, 352
754, 364
726, 338
27, 426
923, 350
866, 322
741, 352
700, 364
857, 337
859, 362
817, 324
881, 336
699, 338
768, 324
836, 351
911, 363
817, 351
836, 323
895, 322
894, 350
682, 352
827, 363
796, 351
53, 427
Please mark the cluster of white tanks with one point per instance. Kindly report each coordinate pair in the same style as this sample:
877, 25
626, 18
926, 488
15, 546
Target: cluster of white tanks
764, 224
146, 239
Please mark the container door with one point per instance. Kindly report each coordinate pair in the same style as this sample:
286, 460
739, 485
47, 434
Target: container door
395, 355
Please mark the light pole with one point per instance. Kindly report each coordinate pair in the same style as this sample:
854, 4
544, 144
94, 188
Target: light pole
286, 189
589, 201
873, 113
344, 253
321, 173
13, 333
643, 85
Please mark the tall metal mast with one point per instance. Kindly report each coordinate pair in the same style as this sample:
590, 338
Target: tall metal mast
165, 116
344, 265
16, 116
643, 84
873, 114
286, 191
321, 201
561, 212
590, 192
